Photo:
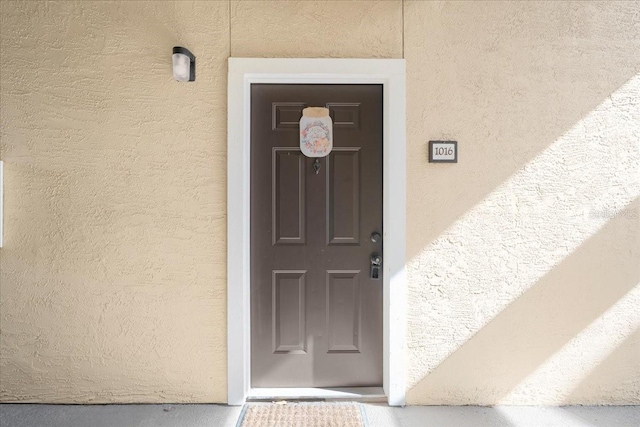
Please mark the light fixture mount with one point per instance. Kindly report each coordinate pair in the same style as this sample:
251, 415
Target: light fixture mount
184, 64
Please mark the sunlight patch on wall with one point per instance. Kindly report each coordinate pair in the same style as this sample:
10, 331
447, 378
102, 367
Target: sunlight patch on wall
582, 354
519, 232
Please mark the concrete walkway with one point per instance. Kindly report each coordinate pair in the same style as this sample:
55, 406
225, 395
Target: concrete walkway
378, 415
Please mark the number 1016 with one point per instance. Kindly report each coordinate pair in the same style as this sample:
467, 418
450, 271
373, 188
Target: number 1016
443, 151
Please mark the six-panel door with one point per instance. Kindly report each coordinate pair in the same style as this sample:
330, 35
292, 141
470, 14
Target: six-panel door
316, 314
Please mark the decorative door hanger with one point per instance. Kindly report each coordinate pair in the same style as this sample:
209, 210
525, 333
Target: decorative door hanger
316, 132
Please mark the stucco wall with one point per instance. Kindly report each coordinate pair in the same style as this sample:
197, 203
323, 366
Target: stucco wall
113, 270
522, 258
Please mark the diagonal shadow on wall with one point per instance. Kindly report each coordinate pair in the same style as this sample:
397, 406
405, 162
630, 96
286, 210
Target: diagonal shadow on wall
621, 367
541, 321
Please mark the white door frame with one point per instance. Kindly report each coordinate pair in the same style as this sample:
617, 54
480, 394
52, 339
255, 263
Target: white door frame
390, 73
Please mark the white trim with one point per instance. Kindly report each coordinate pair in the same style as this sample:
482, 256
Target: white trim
343, 393
242, 73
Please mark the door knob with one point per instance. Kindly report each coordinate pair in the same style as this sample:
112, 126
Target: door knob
376, 264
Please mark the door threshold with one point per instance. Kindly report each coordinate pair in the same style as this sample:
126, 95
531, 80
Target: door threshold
368, 394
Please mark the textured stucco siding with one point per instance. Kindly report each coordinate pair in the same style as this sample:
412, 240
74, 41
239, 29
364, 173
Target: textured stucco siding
523, 258
113, 271
316, 29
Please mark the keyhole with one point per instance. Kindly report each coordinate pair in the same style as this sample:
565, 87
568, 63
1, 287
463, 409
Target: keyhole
316, 166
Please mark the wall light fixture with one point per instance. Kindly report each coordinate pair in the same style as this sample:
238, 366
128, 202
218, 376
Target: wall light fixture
184, 65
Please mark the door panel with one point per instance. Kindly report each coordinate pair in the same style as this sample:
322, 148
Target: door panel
316, 315
345, 115
343, 310
288, 199
286, 115
343, 196
289, 311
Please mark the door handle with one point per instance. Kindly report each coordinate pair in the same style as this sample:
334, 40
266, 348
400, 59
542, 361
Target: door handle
376, 265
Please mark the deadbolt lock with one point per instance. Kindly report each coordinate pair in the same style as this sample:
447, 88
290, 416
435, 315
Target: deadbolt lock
376, 265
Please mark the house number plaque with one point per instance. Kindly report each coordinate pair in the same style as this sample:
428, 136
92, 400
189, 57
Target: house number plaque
443, 151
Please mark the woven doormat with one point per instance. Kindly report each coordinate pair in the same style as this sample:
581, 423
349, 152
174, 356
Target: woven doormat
303, 414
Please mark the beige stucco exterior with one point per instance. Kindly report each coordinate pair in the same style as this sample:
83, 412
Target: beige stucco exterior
523, 259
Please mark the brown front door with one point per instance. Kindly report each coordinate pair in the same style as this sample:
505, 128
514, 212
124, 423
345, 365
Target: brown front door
316, 312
